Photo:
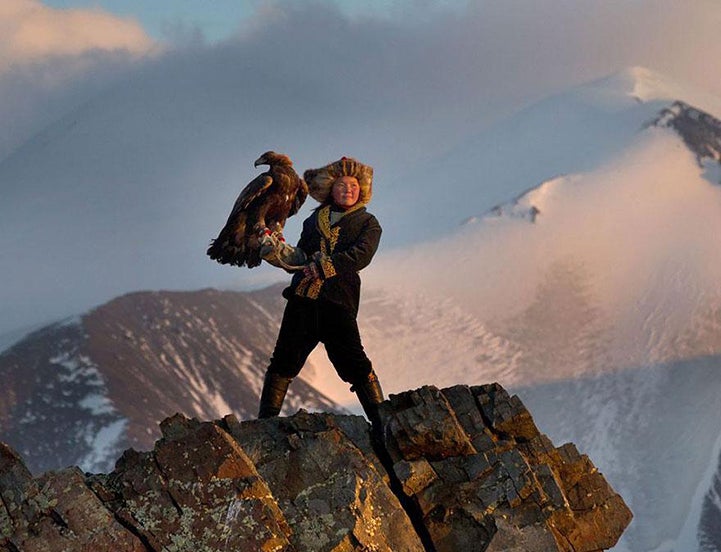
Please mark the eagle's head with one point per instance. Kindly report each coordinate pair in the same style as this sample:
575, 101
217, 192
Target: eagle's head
272, 158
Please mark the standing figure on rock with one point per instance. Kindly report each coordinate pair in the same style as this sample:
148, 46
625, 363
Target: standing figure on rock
338, 240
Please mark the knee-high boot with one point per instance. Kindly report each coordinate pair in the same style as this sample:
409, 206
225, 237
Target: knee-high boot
370, 396
271, 399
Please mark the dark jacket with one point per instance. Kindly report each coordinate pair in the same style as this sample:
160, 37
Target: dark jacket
341, 250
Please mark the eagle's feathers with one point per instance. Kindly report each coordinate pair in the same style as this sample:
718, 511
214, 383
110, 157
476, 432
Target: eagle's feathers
263, 205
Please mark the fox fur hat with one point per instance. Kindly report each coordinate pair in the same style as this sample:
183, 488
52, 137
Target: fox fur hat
320, 181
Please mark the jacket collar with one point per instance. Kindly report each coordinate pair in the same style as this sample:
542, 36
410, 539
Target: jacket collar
323, 218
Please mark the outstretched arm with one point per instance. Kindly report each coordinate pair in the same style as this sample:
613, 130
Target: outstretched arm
280, 254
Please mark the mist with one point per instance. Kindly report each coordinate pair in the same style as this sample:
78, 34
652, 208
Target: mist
116, 174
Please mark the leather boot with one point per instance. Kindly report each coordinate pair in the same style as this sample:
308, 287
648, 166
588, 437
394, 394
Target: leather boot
370, 396
271, 399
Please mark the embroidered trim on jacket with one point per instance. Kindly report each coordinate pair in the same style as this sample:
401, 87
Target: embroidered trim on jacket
327, 268
311, 287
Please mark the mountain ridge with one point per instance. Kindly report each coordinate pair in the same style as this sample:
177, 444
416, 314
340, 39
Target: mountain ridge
105, 378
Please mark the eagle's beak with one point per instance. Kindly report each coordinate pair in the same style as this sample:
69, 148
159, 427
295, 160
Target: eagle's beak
259, 161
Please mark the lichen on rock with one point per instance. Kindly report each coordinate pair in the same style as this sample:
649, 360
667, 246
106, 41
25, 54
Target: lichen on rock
457, 469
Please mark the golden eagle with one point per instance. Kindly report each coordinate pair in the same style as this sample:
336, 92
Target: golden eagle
262, 207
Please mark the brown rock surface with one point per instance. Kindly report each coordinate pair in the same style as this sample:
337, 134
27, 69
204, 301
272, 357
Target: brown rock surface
467, 471
506, 487
328, 483
55, 512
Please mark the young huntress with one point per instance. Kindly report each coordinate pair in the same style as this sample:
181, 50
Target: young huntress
338, 240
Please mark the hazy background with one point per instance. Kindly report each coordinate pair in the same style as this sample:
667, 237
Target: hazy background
156, 112
440, 66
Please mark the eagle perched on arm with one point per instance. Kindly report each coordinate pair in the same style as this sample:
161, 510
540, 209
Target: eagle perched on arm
262, 207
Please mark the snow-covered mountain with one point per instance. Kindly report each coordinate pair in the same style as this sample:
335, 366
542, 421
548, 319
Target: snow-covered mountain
576, 131
81, 391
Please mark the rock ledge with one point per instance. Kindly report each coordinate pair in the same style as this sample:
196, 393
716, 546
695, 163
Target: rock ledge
458, 469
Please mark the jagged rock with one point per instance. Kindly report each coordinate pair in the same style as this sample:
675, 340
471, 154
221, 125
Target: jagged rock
56, 512
197, 490
461, 469
700, 131
505, 487
326, 481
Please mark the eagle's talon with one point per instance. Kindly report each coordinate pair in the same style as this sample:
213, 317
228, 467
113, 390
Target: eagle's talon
278, 235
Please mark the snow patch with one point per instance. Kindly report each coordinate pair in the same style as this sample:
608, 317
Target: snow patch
77, 367
688, 537
104, 445
69, 322
531, 203
262, 310
97, 404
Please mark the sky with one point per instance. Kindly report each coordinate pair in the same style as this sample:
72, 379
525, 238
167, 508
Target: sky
168, 94
218, 19
162, 19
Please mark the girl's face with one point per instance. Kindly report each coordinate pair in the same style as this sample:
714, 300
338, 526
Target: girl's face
345, 191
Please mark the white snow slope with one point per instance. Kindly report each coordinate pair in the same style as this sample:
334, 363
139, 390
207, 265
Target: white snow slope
604, 315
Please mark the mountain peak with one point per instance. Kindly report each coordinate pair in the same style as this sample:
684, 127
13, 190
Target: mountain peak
636, 83
644, 85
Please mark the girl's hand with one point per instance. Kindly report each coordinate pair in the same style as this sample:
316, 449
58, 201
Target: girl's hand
311, 271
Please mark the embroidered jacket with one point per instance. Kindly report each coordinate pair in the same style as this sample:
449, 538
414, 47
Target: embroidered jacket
340, 251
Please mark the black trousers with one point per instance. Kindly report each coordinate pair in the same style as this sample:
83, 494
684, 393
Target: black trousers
307, 322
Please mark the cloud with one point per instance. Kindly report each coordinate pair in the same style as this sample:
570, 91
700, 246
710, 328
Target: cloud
440, 78
33, 32
482, 60
166, 141
537, 42
53, 60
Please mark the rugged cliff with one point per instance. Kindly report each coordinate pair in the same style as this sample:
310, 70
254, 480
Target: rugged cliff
458, 469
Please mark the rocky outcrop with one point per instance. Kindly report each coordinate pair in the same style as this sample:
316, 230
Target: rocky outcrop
458, 469
700, 131
484, 477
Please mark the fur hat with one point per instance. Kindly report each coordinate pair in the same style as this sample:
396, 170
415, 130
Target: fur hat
320, 181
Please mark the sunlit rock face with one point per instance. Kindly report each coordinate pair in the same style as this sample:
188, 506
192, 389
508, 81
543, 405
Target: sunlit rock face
484, 478
463, 468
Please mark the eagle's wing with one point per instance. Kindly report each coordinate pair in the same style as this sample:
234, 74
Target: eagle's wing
231, 247
300, 196
251, 192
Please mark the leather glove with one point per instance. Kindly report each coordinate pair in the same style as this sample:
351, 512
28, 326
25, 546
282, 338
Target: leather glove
280, 254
